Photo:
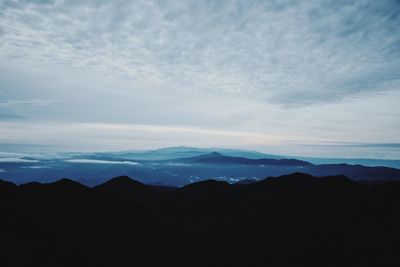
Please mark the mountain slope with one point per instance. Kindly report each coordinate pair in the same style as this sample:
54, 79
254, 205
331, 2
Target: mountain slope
292, 220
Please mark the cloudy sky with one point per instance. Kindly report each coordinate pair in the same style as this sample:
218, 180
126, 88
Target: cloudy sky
312, 78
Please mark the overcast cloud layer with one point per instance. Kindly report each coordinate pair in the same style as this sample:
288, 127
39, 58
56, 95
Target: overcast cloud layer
296, 77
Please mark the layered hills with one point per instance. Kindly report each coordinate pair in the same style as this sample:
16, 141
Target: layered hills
290, 220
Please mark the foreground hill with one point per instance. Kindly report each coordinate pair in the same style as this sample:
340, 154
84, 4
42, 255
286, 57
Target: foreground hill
292, 220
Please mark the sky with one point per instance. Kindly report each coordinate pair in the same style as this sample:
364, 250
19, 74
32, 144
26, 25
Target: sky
311, 78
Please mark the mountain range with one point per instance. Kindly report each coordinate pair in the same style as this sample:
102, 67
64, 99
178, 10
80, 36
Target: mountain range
175, 167
291, 220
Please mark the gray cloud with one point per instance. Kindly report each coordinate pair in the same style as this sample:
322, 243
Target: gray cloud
290, 52
269, 71
10, 116
30, 102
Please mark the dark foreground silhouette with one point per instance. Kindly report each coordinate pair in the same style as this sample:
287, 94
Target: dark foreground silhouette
293, 220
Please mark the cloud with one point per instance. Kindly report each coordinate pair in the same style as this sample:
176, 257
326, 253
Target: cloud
107, 136
36, 167
10, 116
13, 108
177, 164
95, 75
29, 102
95, 161
288, 52
17, 160
355, 144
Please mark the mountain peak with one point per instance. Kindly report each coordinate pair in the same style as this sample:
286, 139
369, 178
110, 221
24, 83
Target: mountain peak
6, 185
214, 154
122, 185
66, 183
123, 180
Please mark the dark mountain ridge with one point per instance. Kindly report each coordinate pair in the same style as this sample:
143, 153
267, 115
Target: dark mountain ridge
292, 220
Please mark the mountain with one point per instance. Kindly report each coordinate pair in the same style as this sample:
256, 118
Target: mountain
7, 186
170, 153
125, 187
179, 167
290, 220
122, 184
66, 184
391, 163
218, 158
356, 172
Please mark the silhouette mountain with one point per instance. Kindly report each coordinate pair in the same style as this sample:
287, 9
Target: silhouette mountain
66, 184
207, 184
6, 186
122, 185
125, 187
291, 220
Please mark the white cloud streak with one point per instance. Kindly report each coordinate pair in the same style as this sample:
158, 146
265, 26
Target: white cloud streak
95, 161
30, 102
17, 160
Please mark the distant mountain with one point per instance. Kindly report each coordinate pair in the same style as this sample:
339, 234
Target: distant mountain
357, 161
218, 158
291, 220
356, 172
170, 153
176, 167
